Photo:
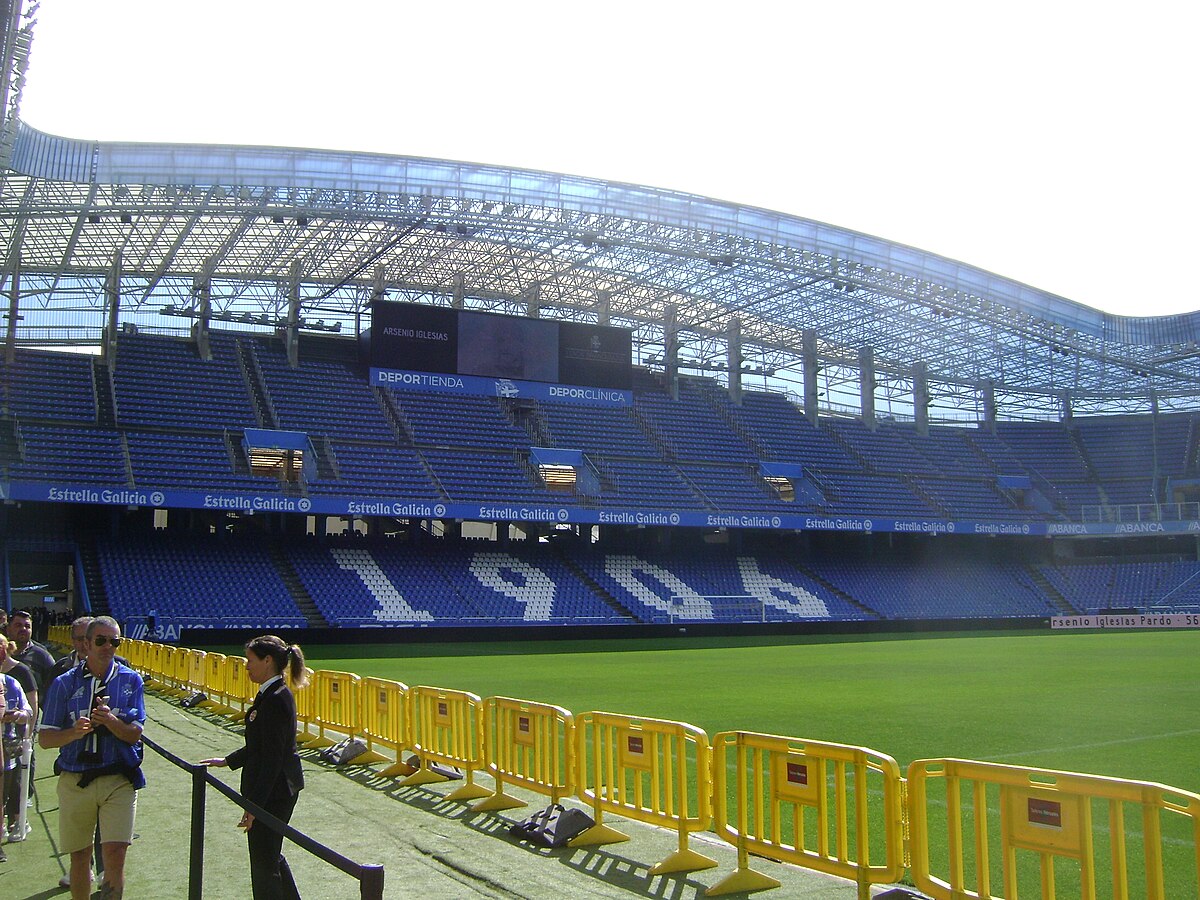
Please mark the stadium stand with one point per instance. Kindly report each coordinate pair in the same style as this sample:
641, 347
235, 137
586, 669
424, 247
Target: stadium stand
321, 396
700, 452
1105, 585
46, 385
213, 582
161, 381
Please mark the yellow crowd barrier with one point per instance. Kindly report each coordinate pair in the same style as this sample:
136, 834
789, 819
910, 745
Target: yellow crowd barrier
191, 671
764, 784
650, 770
306, 706
447, 728
528, 744
155, 654
239, 689
213, 681
135, 651
337, 709
174, 661
1046, 817
384, 709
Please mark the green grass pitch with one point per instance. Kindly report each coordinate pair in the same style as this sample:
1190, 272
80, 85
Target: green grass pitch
1125, 705
1119, 704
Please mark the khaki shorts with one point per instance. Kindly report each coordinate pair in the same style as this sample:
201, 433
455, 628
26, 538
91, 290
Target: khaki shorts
110, 800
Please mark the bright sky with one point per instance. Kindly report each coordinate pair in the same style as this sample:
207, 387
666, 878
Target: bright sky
1051, 142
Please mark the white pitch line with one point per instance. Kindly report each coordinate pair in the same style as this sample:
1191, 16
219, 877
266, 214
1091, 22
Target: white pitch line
1092, 746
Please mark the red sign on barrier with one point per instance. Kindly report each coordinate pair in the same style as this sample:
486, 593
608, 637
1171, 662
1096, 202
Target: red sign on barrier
1045, 812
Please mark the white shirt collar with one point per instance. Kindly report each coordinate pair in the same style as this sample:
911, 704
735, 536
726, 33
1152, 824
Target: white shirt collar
270, 681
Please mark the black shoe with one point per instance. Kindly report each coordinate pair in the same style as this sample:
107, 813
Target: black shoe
3, 857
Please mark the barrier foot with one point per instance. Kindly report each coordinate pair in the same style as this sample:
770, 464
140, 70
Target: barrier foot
468, 792
743, 881
596, 835
423, 776
684, 861
367, 757
497, 802
398, 768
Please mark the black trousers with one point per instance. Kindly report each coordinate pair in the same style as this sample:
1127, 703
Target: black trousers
270, 877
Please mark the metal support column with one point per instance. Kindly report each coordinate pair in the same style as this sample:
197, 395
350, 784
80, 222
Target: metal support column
14, 304
866, 385
671, 348
293, 316
603, 307
812, 368
202, 289
921, 398
112, 302
733, 346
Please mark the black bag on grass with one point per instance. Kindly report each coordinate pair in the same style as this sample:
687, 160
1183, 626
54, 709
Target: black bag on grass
553, 826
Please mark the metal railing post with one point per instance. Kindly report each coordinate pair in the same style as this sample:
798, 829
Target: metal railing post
370, 883
196, 860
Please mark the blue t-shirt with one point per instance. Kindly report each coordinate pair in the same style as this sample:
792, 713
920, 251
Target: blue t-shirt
14, 697
70, 698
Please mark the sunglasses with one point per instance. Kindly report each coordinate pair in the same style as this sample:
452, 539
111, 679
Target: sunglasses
101, 639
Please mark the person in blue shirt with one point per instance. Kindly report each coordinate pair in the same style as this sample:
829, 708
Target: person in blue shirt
94, 715
17, 716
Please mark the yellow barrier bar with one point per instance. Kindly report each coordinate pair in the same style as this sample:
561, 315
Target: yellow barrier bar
384, 710
154, 662
179, 669
306, 708
194, 671
214, 681
1045, 816
644, 769
447, 728
239, 689
164, 663
135, 652
337, 709
528, 744
777, 778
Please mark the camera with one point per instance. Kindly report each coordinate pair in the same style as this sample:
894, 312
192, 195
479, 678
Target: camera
91, 754
100, 698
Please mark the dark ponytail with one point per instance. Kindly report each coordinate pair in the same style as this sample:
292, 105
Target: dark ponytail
288, 658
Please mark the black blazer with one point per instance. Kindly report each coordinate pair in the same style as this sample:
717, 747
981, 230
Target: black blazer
269, 763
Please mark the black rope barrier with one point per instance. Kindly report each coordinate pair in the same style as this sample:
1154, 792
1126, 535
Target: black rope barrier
369, 877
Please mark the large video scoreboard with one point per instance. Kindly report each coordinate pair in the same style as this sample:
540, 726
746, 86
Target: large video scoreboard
492, 353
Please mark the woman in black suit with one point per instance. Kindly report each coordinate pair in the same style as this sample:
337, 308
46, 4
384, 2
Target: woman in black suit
271, 773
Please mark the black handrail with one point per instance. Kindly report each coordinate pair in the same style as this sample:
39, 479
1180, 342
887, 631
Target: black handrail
369, 877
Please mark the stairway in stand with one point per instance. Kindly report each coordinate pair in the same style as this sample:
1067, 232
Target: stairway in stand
291, 580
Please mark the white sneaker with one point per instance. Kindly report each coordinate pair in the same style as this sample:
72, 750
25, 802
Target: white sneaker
15, 835
65, 881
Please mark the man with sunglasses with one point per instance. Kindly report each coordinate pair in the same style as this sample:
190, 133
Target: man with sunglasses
79, 644
94, 715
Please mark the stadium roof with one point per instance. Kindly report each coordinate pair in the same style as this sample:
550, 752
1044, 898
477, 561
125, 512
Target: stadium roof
253, 226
